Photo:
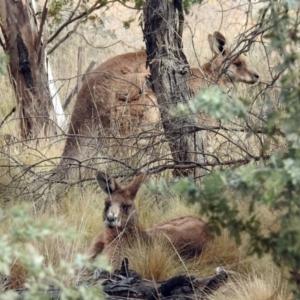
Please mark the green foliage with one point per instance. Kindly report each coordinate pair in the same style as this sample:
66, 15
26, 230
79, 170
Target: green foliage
139, 4
18, 245
273, 182
60, 11
188, 3
215, 103
4, 59
128, 22
55, 9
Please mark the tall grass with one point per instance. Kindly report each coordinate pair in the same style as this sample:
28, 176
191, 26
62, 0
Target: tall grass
268, 283
81, 208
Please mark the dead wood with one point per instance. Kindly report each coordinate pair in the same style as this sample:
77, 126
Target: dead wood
127, 284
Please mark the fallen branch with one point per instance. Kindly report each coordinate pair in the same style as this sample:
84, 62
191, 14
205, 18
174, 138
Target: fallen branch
127, 284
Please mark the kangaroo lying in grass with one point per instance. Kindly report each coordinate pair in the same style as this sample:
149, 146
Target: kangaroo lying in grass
188, 235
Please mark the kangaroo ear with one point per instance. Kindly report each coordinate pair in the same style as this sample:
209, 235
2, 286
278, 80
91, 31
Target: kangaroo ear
107, 183
134, 186
217, 43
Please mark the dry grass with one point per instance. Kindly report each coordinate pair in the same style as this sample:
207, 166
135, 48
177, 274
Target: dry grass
82, 207
255, 285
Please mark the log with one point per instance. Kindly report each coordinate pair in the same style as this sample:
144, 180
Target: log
127, 284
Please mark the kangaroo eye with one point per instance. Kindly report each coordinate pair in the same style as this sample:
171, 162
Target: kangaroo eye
125, 207
238, 64
107, 205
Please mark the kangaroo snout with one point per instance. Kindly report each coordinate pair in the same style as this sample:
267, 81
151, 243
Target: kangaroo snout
112, 221
111, 218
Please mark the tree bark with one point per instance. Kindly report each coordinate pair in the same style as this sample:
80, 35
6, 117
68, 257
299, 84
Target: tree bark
24, 46
163, 26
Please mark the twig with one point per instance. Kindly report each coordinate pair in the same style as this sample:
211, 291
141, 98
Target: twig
7, 116
75, 89
160, 169
64, 38
100, 47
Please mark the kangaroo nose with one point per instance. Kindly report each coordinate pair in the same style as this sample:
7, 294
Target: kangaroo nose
110, 218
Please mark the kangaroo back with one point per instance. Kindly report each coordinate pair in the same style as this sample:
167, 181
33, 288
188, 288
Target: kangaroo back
114, 100
188, 235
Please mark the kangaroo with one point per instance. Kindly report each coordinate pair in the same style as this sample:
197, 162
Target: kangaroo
115, 101
188, 235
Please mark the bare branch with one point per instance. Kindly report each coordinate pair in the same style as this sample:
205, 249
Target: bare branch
7, 116
100, 47
75, 90
64, 38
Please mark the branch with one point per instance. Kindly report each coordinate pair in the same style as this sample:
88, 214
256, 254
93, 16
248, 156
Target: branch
127, 284
75, 89
243, 161
40, 33
160, 169
100, 47
74, 10
80, 16
7, 116
40, 45
195, 128
64, 38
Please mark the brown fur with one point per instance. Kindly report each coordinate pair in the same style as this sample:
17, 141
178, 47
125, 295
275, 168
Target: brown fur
188, 235
115, 101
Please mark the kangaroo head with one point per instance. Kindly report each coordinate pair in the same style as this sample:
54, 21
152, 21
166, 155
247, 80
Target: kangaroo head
225, 66
119, 210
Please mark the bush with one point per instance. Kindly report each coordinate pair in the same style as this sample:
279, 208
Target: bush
272, 181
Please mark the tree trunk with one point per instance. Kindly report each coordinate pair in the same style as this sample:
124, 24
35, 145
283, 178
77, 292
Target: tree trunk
163, 25
24, 46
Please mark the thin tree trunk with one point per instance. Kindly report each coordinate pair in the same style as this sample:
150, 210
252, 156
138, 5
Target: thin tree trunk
163, 25
24, 46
